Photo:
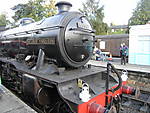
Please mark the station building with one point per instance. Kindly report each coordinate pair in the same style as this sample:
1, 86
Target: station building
139, 45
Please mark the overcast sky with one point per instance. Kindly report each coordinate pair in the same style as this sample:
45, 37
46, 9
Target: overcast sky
116, 11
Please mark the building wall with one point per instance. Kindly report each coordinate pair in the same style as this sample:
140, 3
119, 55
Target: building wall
139, 45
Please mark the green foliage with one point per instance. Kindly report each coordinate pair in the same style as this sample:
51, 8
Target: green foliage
118, 31
95, 14
3, 20
141, 14
36, 9
50, 8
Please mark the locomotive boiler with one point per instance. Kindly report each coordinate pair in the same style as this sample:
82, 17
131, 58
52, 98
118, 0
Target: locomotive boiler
44, 63
66, 37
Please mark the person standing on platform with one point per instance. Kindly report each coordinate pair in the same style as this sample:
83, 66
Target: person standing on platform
121, 46
123, 53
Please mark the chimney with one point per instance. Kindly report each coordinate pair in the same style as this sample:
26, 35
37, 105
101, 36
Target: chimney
63, 6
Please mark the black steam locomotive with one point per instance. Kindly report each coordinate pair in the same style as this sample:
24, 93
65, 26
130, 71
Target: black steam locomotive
45, 64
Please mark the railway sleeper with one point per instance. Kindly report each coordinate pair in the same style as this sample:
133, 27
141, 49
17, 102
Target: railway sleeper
137, 104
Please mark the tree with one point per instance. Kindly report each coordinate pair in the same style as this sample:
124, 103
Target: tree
92, 9
3, 20
141, 14
36, 9
21, 11
50, 8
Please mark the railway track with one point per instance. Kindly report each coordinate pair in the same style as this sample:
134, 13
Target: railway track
139, 104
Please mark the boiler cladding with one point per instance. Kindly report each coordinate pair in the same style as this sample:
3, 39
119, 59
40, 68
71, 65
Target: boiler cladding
66, 37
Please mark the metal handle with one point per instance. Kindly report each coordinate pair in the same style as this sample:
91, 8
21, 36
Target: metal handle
82, 30
110, 67
119, 78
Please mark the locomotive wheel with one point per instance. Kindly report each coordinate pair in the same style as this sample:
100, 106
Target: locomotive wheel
63, 108
59, 107
43, 97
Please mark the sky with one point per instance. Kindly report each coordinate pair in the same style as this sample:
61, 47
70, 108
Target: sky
116, 11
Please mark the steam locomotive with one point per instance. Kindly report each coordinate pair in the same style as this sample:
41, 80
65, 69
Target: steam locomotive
44, 63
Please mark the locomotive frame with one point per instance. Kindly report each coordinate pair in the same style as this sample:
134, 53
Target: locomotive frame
60, 88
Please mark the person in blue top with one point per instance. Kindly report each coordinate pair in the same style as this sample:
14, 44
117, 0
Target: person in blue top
123, 53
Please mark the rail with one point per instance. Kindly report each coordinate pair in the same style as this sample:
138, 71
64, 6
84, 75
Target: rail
139, 104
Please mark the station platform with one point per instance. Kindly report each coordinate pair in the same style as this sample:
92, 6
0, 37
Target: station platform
9, 103
128, 67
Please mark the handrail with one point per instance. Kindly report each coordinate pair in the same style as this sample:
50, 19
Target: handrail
111, 67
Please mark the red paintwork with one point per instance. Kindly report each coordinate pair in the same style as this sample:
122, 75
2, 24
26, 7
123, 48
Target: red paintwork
128, 90
100, 99
14, 44
96, 108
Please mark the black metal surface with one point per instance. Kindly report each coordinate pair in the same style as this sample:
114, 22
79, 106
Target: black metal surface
70, 90
111, 68
53, 36
63, 6
107, 83
51, 87
30, 86
40, 60
96, 81
43, 97
77, 49
119, 78
63, 76
65, 82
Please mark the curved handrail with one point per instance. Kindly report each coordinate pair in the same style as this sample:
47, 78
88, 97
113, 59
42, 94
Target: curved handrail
119, 78
111, 67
